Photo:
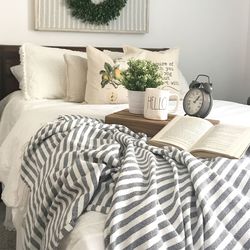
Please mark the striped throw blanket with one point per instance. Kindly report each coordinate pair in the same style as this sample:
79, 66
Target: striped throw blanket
153, 198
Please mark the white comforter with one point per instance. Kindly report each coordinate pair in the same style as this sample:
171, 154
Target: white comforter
20, 119
17, 129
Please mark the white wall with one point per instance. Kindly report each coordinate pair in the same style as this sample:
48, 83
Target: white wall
212, 35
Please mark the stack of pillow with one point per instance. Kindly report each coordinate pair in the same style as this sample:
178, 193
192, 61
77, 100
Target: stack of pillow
54, 73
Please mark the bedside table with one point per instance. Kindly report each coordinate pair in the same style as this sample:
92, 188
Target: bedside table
137, 123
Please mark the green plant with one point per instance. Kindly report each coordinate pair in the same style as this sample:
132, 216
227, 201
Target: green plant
98, 14
139, 75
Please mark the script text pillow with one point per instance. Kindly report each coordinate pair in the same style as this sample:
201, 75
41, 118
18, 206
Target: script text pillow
44, 71
168, 62
76, 77
95, 94
114, 55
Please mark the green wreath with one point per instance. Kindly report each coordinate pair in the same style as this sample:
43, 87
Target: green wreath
98, 14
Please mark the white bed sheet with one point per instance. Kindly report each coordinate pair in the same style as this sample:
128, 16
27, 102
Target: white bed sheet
88, 234
17, 115
13, 105
29, 121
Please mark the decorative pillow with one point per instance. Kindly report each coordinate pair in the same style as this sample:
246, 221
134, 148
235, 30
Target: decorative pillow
44, 71
95, 94
184, 86
114, 55
76, 77
17, 71
168, 61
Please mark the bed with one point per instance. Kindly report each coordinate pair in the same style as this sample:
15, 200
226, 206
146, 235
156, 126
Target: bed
193, 224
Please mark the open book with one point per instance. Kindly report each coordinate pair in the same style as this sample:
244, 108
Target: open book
203, 139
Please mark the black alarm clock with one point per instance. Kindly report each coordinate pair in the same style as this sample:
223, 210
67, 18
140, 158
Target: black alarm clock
198, 100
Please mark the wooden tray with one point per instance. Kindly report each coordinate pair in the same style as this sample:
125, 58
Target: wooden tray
138, 123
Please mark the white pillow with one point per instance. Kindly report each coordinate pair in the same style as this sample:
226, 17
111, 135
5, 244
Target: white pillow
114, 55
95, 94
17, 71
76, 77
184, 86
168, 61
44, 71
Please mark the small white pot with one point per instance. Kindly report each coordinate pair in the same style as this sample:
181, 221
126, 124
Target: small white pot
136, 101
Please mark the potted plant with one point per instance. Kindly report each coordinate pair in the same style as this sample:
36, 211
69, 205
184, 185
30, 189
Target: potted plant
139, 75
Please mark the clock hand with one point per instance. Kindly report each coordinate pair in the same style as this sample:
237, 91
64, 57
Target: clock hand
196, 99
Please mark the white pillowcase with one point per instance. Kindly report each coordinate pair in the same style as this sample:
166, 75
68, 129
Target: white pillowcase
44, 71
114, 55
168, 61
17, 71
76, 77
184, 86
95, 94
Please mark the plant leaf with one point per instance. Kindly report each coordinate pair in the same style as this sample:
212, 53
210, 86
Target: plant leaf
104, 83
108, 68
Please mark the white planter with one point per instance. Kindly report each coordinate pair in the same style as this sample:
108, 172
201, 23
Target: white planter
136, 101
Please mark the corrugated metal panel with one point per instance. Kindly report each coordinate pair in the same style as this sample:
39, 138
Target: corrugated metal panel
54, 15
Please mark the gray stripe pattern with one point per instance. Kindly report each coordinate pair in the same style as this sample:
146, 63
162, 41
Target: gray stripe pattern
154, 198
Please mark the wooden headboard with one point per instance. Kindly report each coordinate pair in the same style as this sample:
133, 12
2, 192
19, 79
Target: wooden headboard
9, 56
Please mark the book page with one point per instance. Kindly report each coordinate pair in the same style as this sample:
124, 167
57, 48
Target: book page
182, 132
225, 140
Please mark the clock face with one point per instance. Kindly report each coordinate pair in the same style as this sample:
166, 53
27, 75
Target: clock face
193, 101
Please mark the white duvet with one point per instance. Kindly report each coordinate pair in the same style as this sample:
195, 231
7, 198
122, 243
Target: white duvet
21, 119
16, 130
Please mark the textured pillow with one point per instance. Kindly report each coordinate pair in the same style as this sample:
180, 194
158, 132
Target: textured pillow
95, 94
184, 86
44, 71
17, 71
76, 77
168, 61
114, 55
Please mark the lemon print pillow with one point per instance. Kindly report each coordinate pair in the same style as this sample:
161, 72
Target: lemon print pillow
104, 76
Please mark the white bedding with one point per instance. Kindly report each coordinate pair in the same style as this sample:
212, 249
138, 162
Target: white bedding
18, 114
32, 115
21, 119
13, 105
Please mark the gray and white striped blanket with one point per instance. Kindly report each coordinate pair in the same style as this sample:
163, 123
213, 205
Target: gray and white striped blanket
154, 198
